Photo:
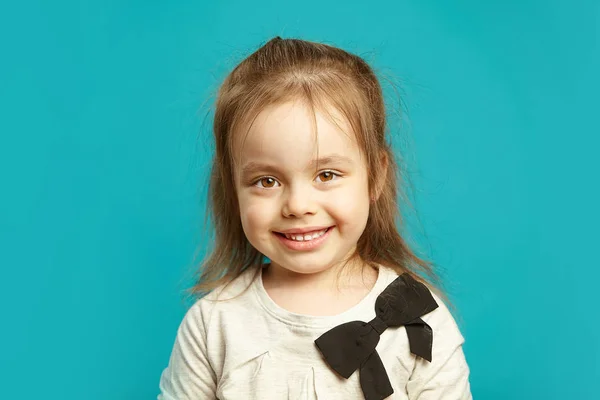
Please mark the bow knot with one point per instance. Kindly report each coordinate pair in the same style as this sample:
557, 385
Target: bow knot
351, 346
379, 325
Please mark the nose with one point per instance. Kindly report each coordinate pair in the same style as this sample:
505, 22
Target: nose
298, 202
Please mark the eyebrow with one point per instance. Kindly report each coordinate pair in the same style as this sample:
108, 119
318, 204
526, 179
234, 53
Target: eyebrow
334, 159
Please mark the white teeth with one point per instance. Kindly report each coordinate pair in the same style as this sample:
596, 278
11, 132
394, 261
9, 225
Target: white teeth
306, 236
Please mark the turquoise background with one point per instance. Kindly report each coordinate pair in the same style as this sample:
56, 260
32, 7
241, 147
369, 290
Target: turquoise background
103, 159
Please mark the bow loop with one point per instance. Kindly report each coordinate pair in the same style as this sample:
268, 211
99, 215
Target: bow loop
347, 346
403, 301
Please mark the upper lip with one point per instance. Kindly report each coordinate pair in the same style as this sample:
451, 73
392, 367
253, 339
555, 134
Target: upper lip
305, 230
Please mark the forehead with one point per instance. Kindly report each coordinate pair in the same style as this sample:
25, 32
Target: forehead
284, 134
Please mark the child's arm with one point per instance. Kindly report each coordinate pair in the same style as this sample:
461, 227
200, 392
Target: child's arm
189, 374
447, 376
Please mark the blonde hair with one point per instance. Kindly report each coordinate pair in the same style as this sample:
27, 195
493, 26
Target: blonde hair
319, 74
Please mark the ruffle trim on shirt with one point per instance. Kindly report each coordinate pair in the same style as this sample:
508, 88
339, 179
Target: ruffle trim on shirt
260, 377
244, 376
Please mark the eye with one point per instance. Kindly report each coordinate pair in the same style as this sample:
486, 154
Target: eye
328, 176
266, 182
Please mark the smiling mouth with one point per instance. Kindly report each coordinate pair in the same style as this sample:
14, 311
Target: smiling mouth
304, 237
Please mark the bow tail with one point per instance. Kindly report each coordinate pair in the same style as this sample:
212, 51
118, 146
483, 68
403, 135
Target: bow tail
374, 380
420, 338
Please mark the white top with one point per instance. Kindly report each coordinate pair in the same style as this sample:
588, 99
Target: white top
249, 348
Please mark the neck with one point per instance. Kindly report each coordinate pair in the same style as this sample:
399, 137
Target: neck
328, 292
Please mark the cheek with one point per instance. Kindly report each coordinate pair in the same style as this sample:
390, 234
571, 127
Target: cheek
350, 207
255, 215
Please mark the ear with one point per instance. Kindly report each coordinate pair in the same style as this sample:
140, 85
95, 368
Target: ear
381, 176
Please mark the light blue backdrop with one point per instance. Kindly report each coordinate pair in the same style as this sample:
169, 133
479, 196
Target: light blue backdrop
103, 164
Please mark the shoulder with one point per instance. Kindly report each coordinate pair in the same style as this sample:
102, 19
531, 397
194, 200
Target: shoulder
233, 288
230, 297
443, 324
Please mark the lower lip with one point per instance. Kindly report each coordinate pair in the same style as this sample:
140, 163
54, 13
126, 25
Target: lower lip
304, 245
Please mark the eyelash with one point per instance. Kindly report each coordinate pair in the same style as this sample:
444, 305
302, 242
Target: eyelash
337, 174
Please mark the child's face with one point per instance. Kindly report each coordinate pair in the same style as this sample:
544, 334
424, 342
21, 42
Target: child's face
279, 188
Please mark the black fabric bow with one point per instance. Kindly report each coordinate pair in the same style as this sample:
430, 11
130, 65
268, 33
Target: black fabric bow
351, 346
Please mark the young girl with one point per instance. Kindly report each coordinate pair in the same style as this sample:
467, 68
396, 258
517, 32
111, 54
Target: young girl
303, 176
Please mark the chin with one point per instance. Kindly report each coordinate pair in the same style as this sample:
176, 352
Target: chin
308, 271
303, 267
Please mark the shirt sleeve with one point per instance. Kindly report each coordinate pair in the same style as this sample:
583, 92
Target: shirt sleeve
446, 377
189, 374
